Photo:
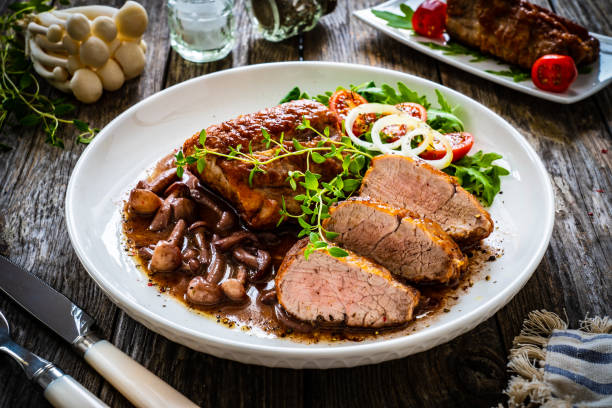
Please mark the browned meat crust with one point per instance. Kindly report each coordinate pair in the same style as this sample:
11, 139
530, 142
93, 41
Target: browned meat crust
517, 31
349, 291
259, 204
412, 247
403, 182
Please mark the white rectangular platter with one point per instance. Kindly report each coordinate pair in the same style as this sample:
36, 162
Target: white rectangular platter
586, 84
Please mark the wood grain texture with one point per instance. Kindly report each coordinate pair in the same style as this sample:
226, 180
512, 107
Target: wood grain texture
573, 278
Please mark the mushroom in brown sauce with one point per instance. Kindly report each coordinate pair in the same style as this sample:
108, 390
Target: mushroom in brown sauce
144, 202
167, 255
234, 287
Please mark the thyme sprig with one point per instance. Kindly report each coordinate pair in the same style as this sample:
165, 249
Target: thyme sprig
20, 91
318, 195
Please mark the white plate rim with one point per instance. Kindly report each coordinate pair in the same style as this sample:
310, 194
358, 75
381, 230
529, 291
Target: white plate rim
459, 326
367, 17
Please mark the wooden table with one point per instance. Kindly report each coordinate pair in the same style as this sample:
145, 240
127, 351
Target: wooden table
574, 278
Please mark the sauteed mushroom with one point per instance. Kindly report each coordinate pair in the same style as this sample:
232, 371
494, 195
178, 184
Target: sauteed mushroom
234, 287
260, 262
224, 244
162, 181
144, 202
206, 291
162, 218
167, 254
198, 229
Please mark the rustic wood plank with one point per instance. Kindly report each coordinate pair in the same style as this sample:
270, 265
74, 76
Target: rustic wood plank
468, 371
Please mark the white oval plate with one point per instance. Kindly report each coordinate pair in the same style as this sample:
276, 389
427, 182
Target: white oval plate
585, 85
141, 135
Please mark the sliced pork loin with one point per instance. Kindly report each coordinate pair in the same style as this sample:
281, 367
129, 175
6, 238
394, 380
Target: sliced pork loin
349, 291
414, 248
407, 183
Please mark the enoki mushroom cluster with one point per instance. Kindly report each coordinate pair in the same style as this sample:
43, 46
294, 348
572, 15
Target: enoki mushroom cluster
86, 50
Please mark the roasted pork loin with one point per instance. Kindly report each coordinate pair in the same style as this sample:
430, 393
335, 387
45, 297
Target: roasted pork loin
259, 204
349, 291
518, 32
403, 182
411, 247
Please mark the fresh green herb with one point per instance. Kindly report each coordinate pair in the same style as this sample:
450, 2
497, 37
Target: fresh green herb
585, 69
445, 119
478, 175
454, 48
386, 94
296, 94
517, 74
314, 194
20, 91
396, 20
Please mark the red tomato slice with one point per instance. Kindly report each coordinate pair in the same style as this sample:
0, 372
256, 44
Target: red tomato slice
461, 143
554, 73
343, 101
414, 109
429, 19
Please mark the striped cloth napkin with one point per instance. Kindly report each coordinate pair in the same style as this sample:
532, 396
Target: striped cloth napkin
557, 367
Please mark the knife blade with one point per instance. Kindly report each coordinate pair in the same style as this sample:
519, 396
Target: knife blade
141, 387
46, 304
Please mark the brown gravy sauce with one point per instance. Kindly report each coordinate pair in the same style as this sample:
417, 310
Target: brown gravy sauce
259, 318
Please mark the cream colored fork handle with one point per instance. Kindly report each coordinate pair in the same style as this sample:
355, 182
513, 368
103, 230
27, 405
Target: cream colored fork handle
65, 392
141, 387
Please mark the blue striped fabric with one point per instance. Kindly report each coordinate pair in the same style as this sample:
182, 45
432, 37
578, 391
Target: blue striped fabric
578, 367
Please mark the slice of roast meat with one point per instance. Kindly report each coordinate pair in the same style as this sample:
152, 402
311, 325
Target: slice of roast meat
349, 291
259, 203
517, 31
403, 182
411, 247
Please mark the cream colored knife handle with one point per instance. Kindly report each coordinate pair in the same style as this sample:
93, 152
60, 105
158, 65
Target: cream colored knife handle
140, 386
65, 392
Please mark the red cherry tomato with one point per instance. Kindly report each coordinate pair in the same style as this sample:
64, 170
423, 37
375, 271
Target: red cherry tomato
429, 19
554, 73
461, 142
343, 101
414, 109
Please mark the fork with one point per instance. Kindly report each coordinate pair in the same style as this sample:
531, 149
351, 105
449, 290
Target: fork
61, 390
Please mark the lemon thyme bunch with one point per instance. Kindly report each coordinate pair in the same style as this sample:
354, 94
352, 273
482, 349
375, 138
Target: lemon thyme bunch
20, 91
317, 195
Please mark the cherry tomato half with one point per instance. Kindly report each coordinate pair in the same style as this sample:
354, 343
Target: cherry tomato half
554, 73
429, 19
461, 143
343, 101
414, 109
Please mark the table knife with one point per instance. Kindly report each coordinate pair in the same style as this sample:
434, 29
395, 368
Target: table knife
141, 387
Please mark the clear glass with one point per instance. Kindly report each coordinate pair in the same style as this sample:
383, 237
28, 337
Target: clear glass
277, 20
202, 30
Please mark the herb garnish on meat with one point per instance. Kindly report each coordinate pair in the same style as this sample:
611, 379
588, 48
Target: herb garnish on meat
318, 195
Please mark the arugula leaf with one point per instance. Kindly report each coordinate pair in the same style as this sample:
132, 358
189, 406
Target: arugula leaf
293, 95
517, 74
396, 20
478, 175
453, 48
387, 95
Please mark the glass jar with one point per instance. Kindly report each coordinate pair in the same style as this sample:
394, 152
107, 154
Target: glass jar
202, 30
277, 20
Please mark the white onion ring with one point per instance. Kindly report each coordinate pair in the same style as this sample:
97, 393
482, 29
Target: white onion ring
398, 117
448, 157
395, 119
359, 110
